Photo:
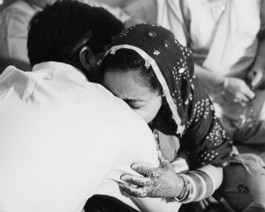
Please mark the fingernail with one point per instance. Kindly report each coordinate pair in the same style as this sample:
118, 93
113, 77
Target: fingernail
134, 166
123, 177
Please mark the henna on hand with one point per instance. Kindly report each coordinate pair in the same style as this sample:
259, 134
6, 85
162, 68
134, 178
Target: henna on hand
154, 182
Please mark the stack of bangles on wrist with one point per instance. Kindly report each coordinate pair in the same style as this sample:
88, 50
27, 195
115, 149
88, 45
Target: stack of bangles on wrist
197, 186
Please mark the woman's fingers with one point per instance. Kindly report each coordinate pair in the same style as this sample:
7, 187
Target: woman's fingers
135, 180
133, 191
143, 170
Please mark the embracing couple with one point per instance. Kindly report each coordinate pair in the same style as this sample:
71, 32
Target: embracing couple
66, 139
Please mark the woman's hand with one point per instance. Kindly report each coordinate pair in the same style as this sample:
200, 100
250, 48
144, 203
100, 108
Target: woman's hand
237, 90
155, 182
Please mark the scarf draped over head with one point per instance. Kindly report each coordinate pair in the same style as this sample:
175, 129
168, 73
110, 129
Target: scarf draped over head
190, 108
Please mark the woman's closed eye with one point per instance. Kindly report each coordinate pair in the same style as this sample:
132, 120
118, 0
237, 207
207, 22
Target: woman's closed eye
134, 104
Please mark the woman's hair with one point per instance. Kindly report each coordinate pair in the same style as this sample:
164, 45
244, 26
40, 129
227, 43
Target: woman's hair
128, 60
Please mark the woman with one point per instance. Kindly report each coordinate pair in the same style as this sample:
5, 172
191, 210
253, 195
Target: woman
148, 68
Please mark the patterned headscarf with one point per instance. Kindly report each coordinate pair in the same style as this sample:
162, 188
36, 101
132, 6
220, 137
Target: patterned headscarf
190, 107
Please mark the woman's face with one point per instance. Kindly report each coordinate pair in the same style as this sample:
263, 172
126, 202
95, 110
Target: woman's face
138, 96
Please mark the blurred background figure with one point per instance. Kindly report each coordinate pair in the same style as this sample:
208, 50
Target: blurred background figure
14, 19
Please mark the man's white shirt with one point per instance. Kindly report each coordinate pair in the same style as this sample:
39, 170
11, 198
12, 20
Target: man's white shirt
60, 136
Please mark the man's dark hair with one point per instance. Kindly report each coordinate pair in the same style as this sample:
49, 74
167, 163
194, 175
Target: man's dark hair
57, 32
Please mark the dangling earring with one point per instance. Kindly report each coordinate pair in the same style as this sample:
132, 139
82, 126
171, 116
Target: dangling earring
163, 96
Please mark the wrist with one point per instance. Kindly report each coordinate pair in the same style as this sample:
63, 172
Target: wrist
184, 191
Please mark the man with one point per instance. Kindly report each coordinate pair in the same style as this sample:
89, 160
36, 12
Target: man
61, 135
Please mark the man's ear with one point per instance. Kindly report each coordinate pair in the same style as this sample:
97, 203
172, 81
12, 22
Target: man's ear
87, 58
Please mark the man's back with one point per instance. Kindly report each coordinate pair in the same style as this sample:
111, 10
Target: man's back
60, 135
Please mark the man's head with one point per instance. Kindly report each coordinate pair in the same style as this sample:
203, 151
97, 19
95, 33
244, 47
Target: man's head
71, 32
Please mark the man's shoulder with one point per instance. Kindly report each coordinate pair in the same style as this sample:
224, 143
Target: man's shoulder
12, 74
13, 80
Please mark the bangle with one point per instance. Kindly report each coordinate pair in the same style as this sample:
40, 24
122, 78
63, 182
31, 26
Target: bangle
197, 186
185, 193
209, 182
188, 192
200, 186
